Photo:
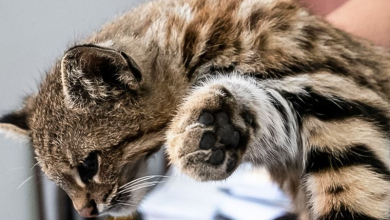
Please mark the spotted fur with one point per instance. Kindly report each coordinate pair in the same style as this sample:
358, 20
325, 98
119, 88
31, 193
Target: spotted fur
269, 82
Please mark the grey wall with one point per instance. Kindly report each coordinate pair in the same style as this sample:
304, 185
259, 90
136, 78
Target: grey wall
32, 35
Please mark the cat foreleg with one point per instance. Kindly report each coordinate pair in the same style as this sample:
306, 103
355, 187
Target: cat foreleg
224, 121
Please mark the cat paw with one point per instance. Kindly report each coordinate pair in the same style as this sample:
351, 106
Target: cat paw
208, 137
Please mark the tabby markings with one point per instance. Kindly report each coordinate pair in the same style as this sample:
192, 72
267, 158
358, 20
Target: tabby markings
335, 108
319, 160
343, 213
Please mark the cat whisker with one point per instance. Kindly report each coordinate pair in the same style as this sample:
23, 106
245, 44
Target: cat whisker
24, 182
144, 178
128, 189
127, 202
140, 187
34, 166
139, 184
141, 179
122, 202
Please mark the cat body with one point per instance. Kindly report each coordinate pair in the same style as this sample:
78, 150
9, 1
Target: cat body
219, 83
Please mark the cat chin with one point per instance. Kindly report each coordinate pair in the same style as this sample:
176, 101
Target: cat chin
121, 211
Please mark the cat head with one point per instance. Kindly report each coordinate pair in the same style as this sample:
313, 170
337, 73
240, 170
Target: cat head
94, 124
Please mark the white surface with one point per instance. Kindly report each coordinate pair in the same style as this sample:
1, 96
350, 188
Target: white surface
247, 195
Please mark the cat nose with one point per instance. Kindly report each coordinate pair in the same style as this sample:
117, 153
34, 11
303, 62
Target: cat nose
89, 211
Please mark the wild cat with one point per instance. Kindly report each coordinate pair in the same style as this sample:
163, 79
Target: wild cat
218, 82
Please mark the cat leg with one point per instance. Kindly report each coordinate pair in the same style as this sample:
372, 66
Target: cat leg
347, 170
345, 138
222, 123
347, 183
340, 159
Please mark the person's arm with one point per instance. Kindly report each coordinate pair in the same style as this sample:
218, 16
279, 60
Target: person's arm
322, 7
368, 19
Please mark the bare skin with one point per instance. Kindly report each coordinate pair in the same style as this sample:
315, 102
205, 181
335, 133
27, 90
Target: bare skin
321, 7
368, 20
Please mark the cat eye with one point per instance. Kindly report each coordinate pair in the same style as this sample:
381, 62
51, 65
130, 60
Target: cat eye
89, 167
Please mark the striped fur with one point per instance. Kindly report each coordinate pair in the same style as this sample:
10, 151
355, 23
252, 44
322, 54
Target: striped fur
326, 141
266, 80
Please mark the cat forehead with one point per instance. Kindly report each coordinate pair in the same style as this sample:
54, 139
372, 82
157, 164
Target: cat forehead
53, 122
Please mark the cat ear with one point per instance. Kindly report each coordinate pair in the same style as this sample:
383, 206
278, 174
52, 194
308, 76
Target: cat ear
92, 74
15, 123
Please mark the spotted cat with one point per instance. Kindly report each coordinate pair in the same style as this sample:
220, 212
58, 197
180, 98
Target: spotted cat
218, 82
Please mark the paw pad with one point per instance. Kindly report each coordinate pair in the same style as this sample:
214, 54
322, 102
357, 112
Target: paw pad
206, 118
223, 137
222, 119
209, 137
217, 157
207, 142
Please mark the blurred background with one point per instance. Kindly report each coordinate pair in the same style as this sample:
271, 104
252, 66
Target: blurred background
33, 34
